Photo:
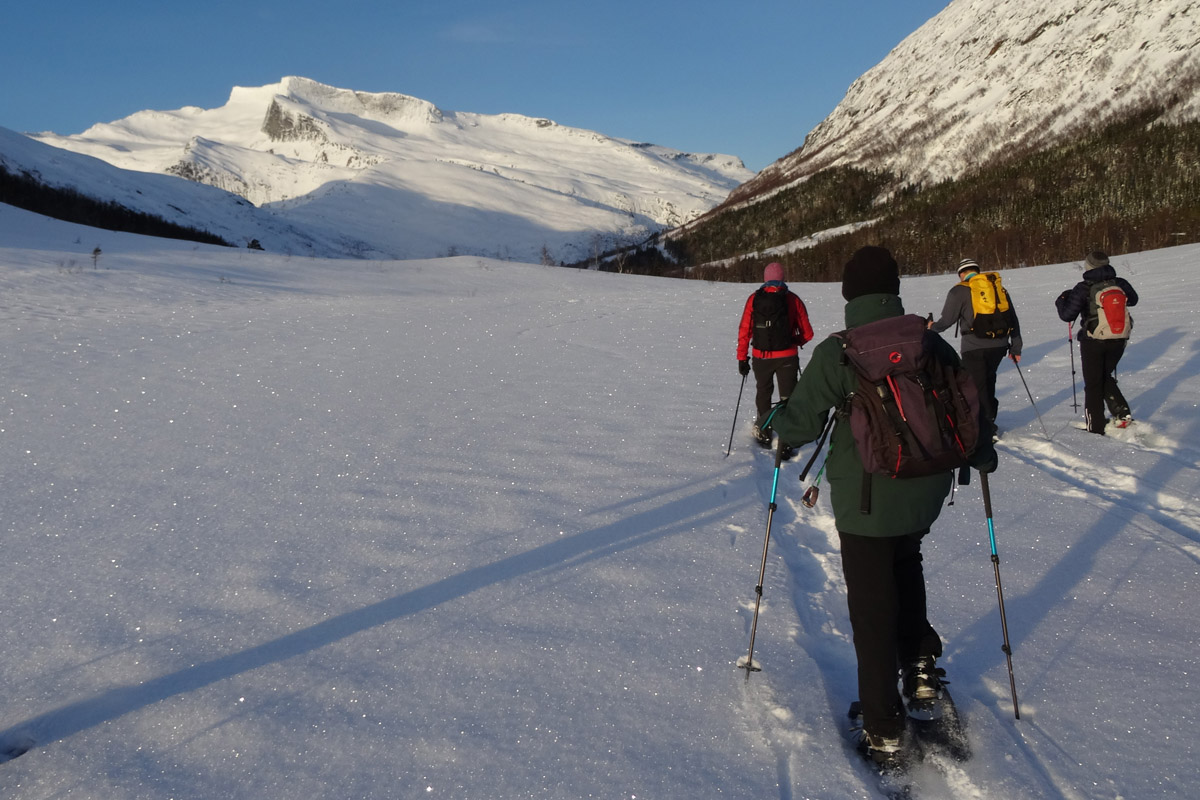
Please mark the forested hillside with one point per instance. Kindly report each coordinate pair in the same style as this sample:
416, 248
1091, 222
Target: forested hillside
1132, 186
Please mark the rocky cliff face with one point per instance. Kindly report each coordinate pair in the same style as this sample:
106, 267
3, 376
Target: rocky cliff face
283, 126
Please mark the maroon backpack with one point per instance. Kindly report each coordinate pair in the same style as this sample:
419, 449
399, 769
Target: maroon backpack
912, 414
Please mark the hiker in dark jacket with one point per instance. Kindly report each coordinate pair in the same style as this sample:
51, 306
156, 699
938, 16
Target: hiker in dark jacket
881, 549
1098, 357
981, 356
781, 363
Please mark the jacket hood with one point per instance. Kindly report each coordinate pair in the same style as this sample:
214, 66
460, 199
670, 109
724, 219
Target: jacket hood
872, 307
1105, 273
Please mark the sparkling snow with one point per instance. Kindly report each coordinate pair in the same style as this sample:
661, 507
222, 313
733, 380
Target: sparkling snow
289, 528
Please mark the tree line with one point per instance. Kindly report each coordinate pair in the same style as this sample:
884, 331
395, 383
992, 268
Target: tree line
24, 191
1134, 185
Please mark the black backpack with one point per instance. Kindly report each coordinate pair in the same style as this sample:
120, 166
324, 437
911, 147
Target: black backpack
912, 414
772, 325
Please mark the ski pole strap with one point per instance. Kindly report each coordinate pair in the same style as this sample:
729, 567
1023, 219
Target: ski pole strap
766, 423
817, 450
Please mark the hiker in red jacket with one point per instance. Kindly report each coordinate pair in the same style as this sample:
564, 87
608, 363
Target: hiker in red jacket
773, 329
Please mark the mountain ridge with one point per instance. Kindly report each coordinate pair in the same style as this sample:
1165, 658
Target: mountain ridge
437, 181
986, 79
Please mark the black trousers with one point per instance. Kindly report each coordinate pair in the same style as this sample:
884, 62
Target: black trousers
982, 366
769, 370
885, 589
1099, 358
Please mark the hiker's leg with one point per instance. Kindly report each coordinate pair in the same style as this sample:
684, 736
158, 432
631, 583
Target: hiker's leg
976, 363
871, 594
764, 381
1095, 374
788, 374
1117, 406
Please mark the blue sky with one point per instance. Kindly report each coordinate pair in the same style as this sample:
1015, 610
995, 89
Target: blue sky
750, 79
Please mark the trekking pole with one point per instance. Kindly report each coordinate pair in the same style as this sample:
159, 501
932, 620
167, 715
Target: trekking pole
1017, 364
1071, 344
735, 413
748, 664
987, 507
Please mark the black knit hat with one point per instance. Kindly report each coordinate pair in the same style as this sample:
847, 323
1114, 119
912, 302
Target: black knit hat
871, 270
1096, 258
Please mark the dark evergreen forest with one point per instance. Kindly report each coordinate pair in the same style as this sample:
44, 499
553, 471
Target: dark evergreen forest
27, 192
1134, 185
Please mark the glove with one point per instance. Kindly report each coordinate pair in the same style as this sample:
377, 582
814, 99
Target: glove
744, 366
987, 463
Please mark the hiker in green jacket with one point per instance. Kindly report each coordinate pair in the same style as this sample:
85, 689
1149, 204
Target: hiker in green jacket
881, 549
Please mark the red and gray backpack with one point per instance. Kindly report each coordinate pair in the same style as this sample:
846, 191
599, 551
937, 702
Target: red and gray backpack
912, 414
1107, 318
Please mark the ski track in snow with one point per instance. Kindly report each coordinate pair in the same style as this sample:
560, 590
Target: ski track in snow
771, 717
807, 542
773, 723
1138, 480
952, 776
811, 544
614, 534
804, 562
1124, 488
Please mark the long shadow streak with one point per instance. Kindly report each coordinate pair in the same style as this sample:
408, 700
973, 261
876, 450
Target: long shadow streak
678, 516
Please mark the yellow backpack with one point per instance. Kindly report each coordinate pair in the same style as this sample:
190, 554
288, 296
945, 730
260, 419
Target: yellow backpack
989, 300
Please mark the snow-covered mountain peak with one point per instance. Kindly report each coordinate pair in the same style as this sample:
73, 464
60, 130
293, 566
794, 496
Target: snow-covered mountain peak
388, 174
387, 107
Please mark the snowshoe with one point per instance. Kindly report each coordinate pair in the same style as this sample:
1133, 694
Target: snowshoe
762, 439
934, 718
921, 687
891, 757
941, 729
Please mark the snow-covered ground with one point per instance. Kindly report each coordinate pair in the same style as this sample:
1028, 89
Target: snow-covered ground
287, 528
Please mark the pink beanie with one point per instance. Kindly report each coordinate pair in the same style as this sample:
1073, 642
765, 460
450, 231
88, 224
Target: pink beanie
773, 272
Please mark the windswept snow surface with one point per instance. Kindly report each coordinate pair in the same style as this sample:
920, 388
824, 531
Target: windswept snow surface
288, 528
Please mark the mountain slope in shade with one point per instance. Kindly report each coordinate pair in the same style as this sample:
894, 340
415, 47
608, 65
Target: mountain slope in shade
166, 197
392, 175
986, 79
